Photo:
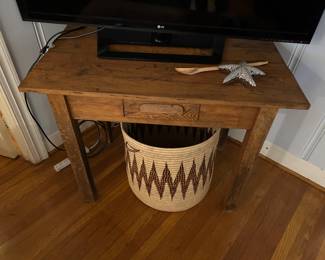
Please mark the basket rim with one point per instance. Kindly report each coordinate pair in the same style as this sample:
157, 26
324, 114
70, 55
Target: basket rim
196, 146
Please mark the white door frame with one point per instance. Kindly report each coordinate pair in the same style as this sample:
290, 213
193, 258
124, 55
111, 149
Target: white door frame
15, 112
40, 35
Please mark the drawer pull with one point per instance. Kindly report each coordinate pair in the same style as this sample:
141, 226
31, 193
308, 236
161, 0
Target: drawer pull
162, 109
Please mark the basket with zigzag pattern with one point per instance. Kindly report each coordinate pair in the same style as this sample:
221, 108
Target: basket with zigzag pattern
172, 177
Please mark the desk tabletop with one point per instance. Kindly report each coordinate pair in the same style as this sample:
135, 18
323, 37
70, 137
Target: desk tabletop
73, 68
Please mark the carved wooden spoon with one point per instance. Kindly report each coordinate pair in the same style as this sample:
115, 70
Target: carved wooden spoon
196, 70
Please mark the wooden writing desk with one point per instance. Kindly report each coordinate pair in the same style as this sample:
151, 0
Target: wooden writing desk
81, 86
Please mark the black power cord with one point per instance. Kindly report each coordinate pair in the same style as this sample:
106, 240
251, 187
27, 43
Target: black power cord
101, 142
50, 41
99, 145
43, 51
57, 35
38, 124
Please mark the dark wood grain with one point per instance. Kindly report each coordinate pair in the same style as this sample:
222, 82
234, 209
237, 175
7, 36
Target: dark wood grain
70, 132
42, 216
253, 141
223, 138
82, 86
114, 109
79, 72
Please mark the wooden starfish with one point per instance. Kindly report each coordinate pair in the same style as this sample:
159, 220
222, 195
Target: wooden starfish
241, 71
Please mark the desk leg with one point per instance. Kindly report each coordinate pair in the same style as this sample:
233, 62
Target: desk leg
74, 146
251, 147
223, 138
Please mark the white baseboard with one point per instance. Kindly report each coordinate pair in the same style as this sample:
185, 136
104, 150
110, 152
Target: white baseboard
288, 160
57, 139
294, 163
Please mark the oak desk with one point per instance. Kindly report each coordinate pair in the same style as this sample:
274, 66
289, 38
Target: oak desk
81, 86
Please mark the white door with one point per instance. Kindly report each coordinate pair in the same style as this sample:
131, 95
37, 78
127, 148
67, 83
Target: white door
7, 146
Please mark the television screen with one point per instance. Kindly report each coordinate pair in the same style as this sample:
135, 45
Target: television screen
285, 20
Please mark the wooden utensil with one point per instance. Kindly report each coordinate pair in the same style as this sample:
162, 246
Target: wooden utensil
196, 70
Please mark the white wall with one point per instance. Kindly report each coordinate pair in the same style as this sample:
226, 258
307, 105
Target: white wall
296, 131
23, 46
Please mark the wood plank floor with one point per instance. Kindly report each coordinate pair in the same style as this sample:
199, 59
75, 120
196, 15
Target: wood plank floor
42, 216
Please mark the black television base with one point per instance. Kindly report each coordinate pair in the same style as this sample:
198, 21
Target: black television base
108, 37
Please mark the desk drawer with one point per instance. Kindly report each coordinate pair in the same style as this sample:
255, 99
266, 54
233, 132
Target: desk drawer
95, 108
169, 113
228, 116
161, 110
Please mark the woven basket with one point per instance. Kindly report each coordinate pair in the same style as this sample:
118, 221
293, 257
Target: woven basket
169, 179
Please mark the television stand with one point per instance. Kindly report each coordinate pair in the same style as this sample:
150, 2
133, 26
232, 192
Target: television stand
159, 46
82, 86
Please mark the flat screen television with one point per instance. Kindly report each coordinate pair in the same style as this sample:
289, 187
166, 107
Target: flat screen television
185, 23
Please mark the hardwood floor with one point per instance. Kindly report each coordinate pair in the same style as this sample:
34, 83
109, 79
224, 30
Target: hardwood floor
43, 217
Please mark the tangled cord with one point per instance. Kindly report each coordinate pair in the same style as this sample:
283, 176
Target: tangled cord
99, 144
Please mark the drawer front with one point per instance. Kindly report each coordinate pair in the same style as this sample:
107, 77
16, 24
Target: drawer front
161, 111
228, 116
204, 115
96, 108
